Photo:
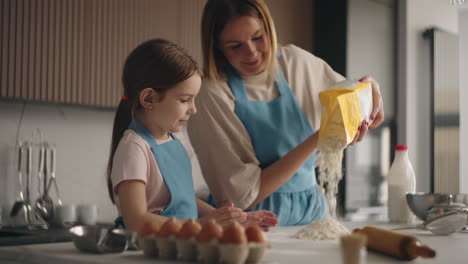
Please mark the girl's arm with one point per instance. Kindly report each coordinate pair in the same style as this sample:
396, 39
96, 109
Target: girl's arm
133, 206
204, 208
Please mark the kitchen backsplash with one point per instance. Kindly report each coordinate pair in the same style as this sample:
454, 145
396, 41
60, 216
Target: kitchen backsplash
82, 139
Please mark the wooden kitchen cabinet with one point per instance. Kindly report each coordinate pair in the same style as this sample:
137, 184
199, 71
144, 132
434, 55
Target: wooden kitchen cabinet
73, 51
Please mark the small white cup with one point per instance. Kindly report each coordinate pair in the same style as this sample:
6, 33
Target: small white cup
65, 215
87, 214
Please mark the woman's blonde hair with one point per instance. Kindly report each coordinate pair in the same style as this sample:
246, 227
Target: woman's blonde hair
216, 14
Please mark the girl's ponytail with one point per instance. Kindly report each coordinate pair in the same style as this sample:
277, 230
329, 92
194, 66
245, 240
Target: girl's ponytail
122, 119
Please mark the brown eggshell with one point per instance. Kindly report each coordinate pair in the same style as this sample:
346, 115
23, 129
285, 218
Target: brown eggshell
150, 228
190, 229
254, 234
234, 234
210, 230
170, 227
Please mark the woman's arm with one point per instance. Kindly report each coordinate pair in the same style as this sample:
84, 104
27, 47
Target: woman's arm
204, 208
278, 173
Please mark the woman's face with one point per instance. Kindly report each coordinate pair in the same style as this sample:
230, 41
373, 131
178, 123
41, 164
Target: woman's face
244, 44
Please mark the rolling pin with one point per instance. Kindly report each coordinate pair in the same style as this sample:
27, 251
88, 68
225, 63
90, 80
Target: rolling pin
394, 244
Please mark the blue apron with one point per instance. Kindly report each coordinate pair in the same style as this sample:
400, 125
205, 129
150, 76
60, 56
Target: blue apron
176, 169
275, 128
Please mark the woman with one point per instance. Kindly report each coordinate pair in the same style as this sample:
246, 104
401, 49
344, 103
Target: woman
259, 110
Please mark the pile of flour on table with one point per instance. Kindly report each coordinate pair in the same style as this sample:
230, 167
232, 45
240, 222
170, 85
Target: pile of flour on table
324, 229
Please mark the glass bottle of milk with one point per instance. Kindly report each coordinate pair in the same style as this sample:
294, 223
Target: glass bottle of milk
401, 180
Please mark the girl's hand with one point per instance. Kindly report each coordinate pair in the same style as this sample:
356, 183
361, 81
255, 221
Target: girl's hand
263, 218
377, 115
226, 214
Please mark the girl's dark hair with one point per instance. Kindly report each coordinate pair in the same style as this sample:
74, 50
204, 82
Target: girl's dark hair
158, 64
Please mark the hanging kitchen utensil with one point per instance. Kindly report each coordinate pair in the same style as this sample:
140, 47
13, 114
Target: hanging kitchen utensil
27, 202
19, 204
34, 220
40, 206
47, 201
53, 179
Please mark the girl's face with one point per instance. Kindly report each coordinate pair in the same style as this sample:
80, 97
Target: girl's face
173, 110
244, 44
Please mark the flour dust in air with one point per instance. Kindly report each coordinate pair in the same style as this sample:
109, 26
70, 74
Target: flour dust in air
329, 157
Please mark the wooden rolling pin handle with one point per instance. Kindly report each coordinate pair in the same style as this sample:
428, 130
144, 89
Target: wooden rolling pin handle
417, 250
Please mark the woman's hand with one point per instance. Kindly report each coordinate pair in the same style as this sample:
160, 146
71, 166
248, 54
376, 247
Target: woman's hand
377, 115
226, 215
263, 218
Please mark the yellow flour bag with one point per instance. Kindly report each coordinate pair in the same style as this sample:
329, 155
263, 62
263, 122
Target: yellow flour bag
344, 107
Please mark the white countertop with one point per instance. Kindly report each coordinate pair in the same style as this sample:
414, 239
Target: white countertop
450, 249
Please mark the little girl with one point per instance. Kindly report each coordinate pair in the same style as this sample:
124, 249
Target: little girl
149, 172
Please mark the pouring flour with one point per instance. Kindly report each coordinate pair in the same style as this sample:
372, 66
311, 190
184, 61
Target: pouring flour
344, 107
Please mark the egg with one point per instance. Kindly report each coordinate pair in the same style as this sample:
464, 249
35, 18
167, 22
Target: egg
234, 234
170, 227
210, 230
254, 234
150, 228
191, 228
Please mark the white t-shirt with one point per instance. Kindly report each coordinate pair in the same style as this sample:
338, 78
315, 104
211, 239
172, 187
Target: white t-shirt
223, 145
134, 160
